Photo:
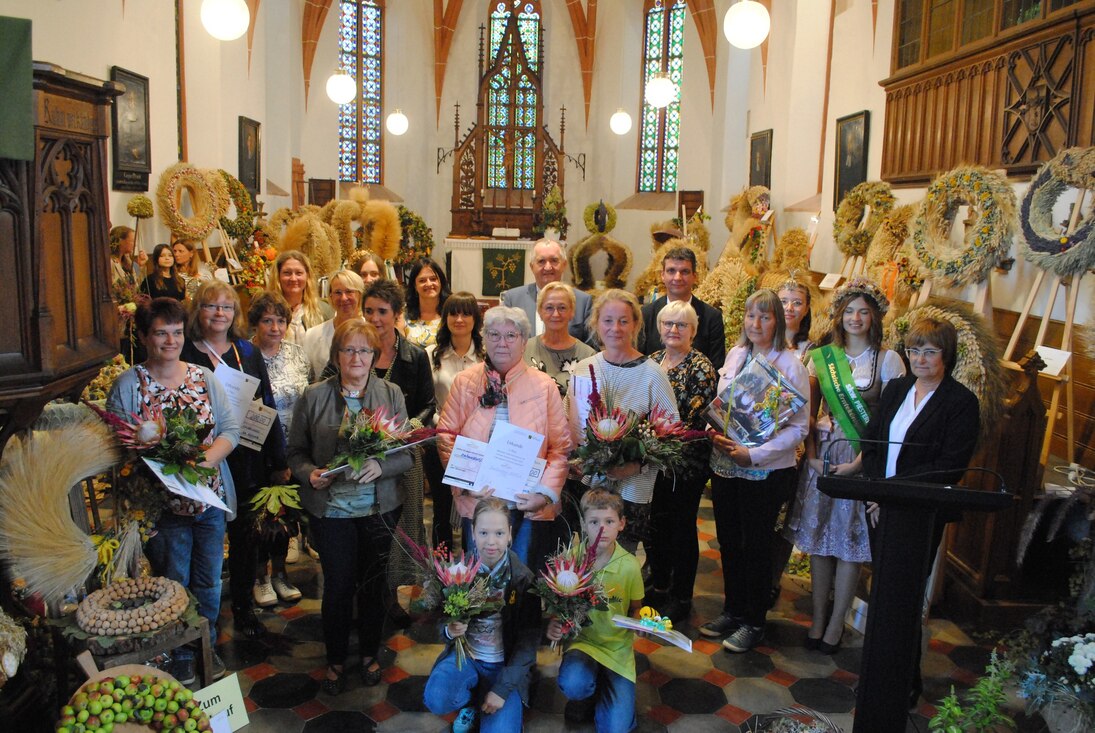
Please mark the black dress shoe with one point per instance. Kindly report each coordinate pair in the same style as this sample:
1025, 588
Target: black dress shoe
247, 623
826, 648
677, 610
812, 644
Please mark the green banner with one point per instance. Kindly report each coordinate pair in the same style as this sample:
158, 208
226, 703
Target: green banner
834, 376
16, 111
502, 269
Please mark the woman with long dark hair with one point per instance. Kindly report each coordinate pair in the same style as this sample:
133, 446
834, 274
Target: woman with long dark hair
427, 290
163, 280
459, 346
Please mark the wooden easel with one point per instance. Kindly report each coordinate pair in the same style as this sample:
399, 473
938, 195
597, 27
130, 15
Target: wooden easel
1062, 381
230, 256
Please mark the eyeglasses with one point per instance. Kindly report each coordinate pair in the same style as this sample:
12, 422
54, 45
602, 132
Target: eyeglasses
915, 353
218, 308
675, 325
556, 308
350, 353
510, 337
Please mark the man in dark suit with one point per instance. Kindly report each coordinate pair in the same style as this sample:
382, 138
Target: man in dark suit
679, 277
548, 264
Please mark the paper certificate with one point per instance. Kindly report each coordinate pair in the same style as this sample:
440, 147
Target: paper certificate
177, 485
256, 425
581, 387
511, 455
673, 636
241, 389
475, 465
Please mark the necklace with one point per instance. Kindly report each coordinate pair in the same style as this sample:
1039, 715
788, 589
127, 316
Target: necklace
352, 393
669, 363
395, 356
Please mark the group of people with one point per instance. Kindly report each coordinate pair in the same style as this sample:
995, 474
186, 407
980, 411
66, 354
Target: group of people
431, 356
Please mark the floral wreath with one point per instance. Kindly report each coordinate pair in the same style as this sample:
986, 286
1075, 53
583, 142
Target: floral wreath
985, 192
244, 223
417, 241
852, 240
977, 366
854, 288
589, 217
173, 181
619, 260
1063, 255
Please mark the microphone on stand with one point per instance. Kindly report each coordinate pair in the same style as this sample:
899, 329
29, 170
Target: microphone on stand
825, 459
905, 477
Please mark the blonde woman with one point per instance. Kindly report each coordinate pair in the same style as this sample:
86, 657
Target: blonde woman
345, 298
294, 280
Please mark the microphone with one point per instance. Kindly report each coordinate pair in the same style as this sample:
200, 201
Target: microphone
922, 474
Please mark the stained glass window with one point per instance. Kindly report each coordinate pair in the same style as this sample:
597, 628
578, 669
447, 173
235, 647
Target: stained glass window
360, 54
512, 97
659, 138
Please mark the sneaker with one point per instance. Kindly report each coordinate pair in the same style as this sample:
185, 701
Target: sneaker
465, 721
285, 590
264, 593
292, 555
721, 626
219, 668
183, 670
744, 639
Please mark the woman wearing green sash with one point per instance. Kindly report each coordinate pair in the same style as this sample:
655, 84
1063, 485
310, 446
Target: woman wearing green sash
849, 373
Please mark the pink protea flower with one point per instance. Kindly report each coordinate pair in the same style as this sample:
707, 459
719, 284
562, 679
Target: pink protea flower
570, 572
662, 423
456, 572
610, 425
147, 430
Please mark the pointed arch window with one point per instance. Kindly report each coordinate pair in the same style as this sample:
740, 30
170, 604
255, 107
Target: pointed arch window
513, 108
659, 137
361, 54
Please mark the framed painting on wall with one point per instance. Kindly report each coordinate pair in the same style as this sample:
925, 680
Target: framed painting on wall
250, 155
851, 153
132, 139
760, 159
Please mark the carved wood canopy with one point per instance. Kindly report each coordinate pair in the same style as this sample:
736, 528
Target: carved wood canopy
1011, 104
507, 161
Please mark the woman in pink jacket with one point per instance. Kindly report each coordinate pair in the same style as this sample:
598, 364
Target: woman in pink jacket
504, 389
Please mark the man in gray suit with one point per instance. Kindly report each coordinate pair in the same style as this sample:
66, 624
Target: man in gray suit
679, 277
548, 264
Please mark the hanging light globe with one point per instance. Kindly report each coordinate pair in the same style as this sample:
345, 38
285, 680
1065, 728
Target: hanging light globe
620, 122
397, 122
341, 88
660, 90
225, 20
746, 24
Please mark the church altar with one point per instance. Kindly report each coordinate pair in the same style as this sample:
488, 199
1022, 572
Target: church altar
483, 266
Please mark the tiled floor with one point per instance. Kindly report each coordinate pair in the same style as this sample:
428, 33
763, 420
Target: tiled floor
709, 690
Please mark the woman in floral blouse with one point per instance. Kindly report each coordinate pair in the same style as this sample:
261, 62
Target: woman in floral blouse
555, 352
674, 552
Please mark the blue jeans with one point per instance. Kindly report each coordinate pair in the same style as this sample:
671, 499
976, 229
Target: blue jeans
580, 677
190, 550
449, 689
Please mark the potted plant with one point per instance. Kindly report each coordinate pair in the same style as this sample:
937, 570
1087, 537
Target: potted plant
553, 215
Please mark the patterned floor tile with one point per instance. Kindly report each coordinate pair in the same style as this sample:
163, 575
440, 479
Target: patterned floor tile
413, 723
338, 721
273, 720
284, 690
828, 696
693, 696
758, 695
701, 724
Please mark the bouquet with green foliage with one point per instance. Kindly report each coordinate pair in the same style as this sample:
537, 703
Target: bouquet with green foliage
277, 511
372, 433
173, 437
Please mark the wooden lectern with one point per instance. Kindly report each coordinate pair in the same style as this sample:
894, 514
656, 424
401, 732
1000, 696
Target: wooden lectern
908, 512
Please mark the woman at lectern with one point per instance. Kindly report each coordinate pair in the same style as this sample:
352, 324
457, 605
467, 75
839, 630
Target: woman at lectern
931, 422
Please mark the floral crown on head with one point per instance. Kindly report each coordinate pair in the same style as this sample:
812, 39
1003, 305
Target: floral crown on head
793, 283
858, 286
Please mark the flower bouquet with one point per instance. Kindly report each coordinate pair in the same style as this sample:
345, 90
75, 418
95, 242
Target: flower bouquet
570, 587
277, 511
756, 403
373, 434
614, 437
454, 586
173, 437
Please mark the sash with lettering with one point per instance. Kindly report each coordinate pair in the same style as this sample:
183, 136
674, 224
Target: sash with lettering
834, 375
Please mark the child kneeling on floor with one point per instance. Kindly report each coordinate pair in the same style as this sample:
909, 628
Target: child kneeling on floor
598, 670
501, 646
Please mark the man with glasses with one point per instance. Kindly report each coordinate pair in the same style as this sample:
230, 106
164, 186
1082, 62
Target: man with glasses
679, 277
548, 264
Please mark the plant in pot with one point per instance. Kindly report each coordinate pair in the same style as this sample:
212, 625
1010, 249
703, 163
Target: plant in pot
553, 215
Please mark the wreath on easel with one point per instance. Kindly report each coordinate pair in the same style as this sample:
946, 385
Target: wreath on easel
1066, 254
851, 239
185, 177
993, 222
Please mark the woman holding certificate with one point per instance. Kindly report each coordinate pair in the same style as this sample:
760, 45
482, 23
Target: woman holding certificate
834, 531
215, 341
353, 514
504, 389
752, 481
